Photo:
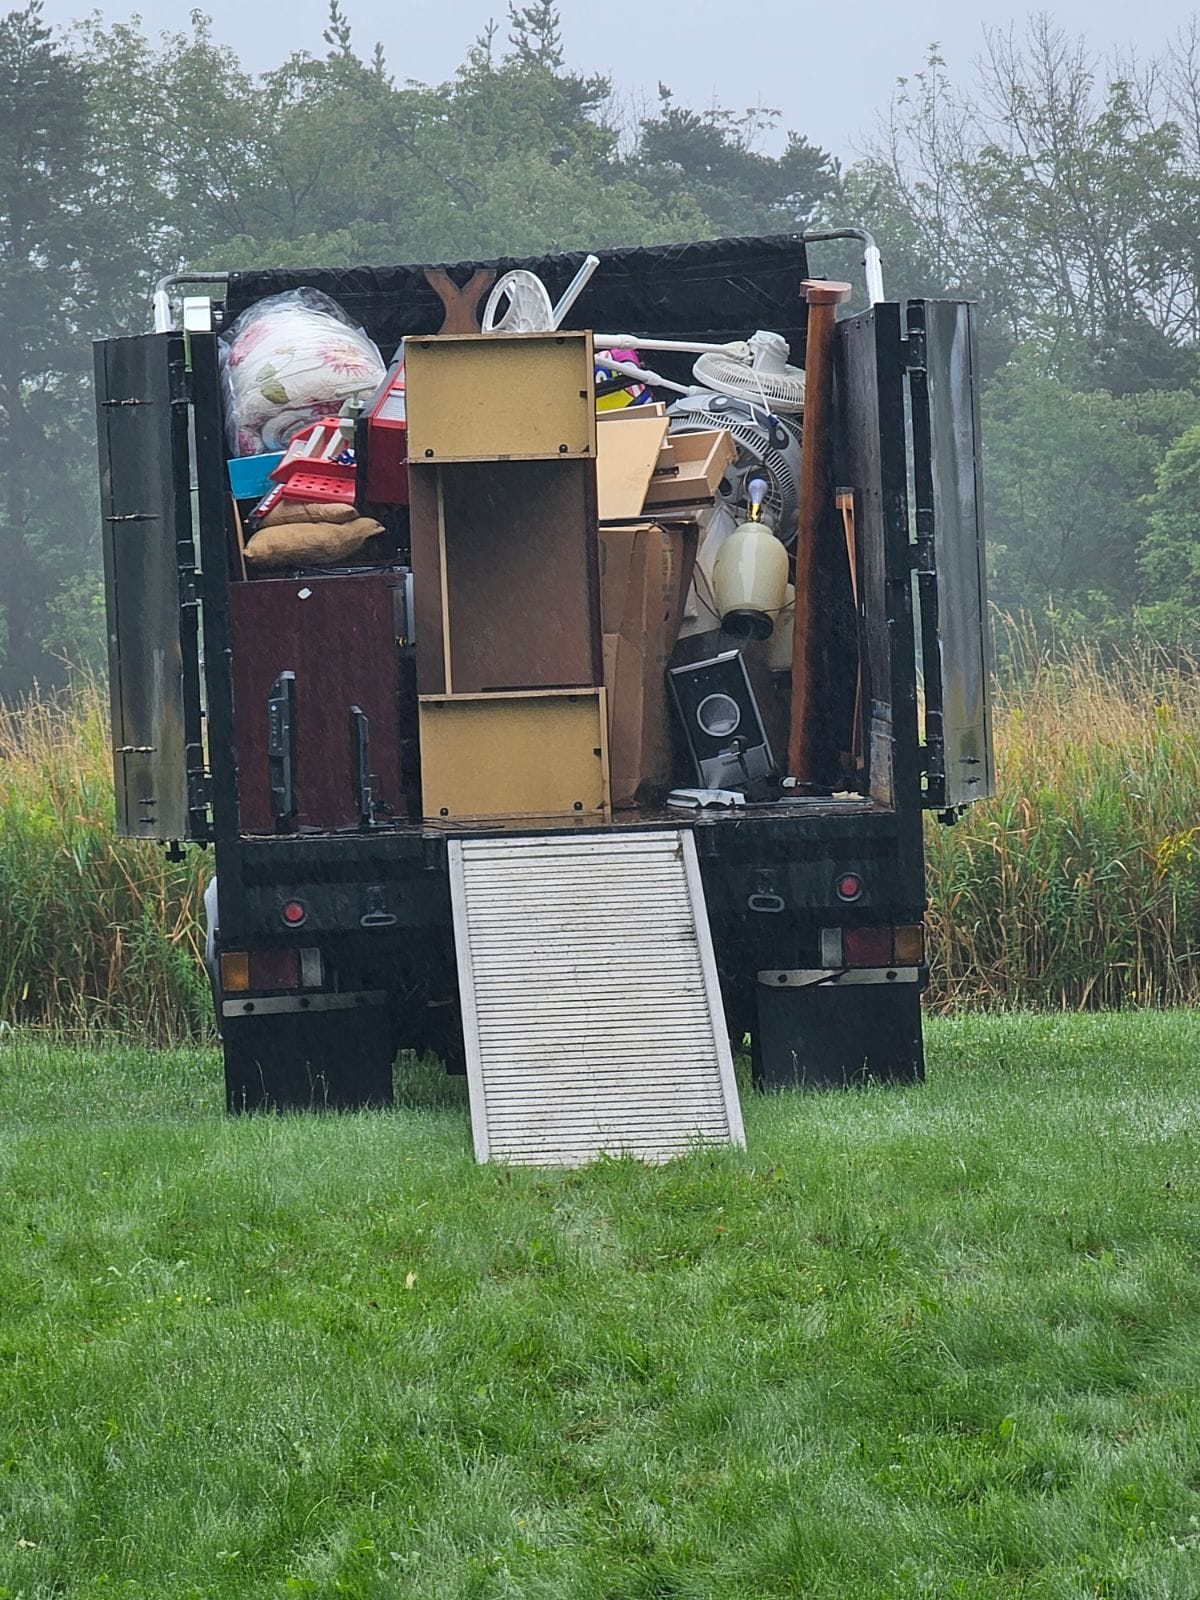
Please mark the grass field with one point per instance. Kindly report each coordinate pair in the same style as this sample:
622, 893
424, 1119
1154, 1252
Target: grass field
935, 1342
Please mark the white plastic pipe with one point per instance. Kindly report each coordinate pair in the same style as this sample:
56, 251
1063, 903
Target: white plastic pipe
634, 341
574, 289
642, 374
873, 267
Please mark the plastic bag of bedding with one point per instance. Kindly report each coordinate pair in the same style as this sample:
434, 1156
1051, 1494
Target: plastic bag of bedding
287, 361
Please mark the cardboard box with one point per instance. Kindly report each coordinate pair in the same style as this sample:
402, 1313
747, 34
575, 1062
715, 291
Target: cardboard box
627, 455
645, 570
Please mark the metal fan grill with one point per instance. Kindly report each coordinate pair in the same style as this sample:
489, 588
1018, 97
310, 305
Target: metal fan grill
766, 443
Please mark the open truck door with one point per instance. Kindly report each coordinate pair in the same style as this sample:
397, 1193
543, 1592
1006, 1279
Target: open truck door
943, 377
905, 461
150, 586
913, 459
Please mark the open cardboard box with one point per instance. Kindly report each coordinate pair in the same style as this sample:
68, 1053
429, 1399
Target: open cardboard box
645, 570
690, 468
626, 457
642, 469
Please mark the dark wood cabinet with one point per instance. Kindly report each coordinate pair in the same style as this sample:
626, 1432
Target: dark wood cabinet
338, 635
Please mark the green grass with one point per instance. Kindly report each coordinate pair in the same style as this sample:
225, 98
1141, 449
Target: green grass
933, 1342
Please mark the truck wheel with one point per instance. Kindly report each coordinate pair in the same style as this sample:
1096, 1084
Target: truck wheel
308, 1061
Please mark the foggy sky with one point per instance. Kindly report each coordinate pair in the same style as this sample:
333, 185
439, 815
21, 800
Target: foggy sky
829, 68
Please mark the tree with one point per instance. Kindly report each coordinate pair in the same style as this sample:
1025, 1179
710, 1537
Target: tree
713, 159
1169, 561
1065, 199
1066, 479
46, 182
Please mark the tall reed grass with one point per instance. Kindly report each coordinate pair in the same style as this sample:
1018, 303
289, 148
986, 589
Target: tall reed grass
1079, 886
96, 932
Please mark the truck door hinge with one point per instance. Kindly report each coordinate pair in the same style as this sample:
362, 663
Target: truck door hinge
912, 350
199, 790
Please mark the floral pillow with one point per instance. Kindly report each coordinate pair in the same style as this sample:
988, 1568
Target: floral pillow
287, 361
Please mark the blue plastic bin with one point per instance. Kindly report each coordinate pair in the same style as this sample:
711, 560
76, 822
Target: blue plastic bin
250, 476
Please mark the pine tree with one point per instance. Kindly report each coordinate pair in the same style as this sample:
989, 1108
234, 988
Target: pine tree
45, 155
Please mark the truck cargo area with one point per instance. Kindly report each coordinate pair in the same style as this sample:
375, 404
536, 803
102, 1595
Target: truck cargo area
381, 581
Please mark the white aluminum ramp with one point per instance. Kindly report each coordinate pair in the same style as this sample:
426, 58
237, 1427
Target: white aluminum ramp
591, 1008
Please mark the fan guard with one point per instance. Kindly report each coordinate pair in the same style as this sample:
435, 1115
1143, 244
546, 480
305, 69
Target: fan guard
765, 379
529, 308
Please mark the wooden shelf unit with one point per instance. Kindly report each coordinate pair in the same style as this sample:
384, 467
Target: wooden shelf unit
532, 753
501, 397
503, 528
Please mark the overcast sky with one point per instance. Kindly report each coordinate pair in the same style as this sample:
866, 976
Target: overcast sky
827, 67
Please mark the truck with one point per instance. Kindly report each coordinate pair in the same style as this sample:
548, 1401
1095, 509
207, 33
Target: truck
332, 938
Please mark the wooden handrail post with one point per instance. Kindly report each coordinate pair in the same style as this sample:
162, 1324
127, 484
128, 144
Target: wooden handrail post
823, 298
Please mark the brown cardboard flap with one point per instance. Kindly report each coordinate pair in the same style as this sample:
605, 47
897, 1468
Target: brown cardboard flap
656, 409
626, 458
645, 570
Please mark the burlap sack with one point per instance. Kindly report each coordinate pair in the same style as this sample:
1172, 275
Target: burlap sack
310, 544
307, 511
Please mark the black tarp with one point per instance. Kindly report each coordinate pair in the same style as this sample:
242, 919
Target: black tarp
715, 290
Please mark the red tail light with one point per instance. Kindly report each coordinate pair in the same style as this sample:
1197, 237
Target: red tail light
274, 969
873, 947
293, 913
867, 947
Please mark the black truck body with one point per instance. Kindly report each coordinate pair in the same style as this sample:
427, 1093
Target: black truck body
367, 966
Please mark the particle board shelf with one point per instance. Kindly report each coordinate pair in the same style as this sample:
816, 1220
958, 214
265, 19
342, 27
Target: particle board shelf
531, 753
506, 576
500, 397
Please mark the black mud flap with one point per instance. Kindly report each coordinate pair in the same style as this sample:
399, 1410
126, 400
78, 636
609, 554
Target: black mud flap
308, 1061
828, 1036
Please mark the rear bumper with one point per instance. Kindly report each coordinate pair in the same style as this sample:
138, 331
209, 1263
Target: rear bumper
274, 1005
755, 861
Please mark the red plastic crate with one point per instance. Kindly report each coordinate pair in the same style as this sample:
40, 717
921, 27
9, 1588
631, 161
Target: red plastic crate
320, 480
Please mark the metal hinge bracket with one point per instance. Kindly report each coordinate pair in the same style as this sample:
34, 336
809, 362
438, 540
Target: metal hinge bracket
912, 350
